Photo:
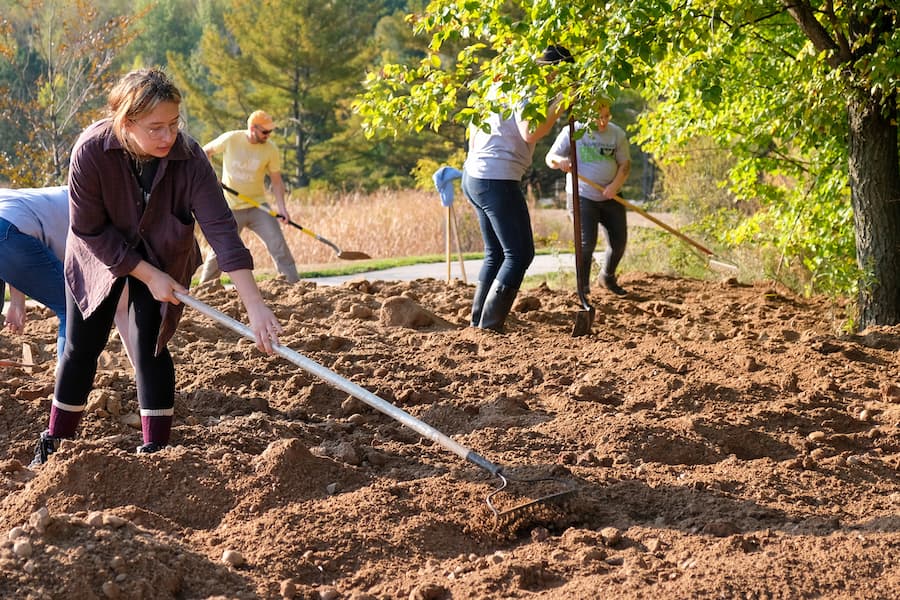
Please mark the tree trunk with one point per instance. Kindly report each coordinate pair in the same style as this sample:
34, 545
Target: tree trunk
875, 195
300, 177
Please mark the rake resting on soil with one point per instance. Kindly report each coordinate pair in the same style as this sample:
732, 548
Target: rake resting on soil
712, 260
344, 254
15, 363
544, 490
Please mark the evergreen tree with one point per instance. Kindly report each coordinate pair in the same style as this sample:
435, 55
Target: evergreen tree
295, 59
168, 26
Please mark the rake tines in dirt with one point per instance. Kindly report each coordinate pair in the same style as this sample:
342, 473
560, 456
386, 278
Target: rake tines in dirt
559, 488
544, 491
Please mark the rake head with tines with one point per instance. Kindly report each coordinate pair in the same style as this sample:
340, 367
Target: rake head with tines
542, 491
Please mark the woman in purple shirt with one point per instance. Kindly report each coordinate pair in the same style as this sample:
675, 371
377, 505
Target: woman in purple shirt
137, 183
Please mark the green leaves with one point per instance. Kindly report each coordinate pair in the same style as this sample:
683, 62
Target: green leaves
741, 73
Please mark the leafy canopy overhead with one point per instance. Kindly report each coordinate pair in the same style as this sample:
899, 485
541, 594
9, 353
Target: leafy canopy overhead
769, 81
699, 55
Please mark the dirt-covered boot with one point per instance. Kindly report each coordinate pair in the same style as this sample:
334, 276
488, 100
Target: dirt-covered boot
497, 305
47, 445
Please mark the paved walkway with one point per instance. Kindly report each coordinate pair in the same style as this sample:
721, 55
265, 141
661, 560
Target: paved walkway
542, 263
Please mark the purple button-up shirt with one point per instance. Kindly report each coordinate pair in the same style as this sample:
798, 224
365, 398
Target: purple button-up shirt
111, 230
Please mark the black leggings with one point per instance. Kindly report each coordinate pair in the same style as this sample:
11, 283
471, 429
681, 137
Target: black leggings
610, 215
86, 339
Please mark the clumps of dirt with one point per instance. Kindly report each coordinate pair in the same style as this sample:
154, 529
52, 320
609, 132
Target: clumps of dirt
401, 311
704, 433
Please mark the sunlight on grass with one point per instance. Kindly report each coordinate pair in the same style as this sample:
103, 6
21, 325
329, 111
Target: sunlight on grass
386, 225
398, 228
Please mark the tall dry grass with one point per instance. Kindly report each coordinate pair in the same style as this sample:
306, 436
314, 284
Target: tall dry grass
390, 224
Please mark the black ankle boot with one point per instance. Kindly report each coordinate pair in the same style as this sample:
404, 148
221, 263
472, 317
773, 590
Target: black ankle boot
497, 305
47, 445
150, 448
481, 290
610, 283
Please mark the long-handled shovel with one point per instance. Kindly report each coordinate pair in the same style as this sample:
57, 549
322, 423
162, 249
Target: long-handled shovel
713, 260
564, 488
584, 317
344, 254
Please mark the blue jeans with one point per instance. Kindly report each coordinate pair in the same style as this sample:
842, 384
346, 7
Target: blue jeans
505, 227
32, 268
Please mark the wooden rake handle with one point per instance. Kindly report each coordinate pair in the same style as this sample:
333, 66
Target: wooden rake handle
649, 217
277, 215
15, 363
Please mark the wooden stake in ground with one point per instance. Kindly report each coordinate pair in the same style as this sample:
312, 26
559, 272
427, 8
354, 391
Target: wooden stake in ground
447, 238
28, 357
462, 264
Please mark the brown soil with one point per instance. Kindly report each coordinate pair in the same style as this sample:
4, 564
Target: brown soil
725, 441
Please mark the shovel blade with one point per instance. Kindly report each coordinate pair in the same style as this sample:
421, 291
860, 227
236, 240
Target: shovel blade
583, 321
722, 266
350, 255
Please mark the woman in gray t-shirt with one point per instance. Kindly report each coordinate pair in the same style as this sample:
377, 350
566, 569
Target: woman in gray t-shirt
34, 223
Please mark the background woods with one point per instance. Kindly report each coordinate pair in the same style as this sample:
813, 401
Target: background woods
771, 124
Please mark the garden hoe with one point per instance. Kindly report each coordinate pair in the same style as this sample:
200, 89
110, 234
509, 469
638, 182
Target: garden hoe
712, 260
344, 254
544, 490
14, 363
584, 317
27, 363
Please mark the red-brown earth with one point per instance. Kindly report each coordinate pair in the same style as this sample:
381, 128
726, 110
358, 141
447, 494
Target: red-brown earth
726, 439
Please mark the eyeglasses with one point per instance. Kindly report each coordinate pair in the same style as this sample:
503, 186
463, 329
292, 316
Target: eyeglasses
157, 133
264, 131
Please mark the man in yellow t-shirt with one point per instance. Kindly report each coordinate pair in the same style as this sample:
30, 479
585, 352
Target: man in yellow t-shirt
247, 157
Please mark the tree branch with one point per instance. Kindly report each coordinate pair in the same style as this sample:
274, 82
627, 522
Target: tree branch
803, 14
842, 40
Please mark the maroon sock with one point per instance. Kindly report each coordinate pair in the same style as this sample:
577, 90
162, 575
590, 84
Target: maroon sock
64, 421
156, 428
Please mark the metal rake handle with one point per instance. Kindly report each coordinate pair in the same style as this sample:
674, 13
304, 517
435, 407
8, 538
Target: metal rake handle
348, 386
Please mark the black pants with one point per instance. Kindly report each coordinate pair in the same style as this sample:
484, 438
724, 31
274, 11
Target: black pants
86, 339
611, 216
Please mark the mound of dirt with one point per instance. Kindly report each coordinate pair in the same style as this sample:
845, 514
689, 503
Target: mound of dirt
714, 439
